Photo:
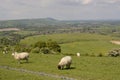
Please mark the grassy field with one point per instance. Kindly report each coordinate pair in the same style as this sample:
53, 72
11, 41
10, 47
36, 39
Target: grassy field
92, 44
14, 75
67, 38
82, 68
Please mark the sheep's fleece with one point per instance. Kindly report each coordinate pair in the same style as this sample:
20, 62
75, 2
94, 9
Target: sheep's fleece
65, 61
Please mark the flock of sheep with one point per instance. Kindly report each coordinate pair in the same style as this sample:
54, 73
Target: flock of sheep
65, 61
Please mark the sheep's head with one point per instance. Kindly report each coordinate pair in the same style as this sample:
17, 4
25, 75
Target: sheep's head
14, 53
59, 67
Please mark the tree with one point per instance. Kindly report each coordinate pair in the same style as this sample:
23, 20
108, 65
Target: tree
47, 47
53, 45
40, 44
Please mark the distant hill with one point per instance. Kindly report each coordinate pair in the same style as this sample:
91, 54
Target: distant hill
51, 25
29, 22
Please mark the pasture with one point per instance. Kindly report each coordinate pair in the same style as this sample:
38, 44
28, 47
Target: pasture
71, 43
82, 68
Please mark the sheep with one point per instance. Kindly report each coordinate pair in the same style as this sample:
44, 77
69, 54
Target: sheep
4, 52
65, 61
78, 54
21, 56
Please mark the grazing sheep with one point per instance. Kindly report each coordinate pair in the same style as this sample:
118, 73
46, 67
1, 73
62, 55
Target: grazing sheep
78, 54
65, 61
5, 52
21, 56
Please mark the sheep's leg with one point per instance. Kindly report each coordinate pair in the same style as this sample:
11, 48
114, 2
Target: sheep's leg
27, 60
68, 66
62, 67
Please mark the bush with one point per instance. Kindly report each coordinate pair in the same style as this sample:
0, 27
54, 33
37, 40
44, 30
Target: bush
47, 47
45, 50
36, 50
22, 48
40, 44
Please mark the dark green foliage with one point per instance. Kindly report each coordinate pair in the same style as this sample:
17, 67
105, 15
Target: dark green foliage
49, 26
8, 38
45, 50
52, 45
5, 41
40, 44
46, 47
36, 50
22, 48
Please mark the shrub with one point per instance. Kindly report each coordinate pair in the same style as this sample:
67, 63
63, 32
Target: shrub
40, 44
22, 48
45, 50
36, 50
47, 47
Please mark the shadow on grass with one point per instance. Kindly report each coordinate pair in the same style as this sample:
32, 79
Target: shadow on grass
69, 68
25, 62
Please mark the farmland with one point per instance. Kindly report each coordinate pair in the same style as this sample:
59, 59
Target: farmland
85, 68
78, 42
90, 39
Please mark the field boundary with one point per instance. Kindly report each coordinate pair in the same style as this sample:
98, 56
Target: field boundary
37, 73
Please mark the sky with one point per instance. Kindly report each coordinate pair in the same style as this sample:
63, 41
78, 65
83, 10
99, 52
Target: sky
60, 9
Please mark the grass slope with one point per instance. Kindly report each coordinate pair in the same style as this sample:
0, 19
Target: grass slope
77, 42
83, 68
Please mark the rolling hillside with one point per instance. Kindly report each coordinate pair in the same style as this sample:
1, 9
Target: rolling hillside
84, 43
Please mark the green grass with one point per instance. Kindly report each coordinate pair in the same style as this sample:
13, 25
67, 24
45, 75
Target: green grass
88, 47
14, 75
82, 68
78, 42
85, 68
25, 32
67, 38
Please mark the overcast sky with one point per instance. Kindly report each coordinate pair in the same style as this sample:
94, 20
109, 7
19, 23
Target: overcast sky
60, 9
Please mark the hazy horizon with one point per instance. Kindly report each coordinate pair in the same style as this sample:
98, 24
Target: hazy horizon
60, 9
65, 19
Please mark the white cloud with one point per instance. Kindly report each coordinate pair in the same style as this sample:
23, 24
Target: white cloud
62, 9
44, 3
112, 1
86, 1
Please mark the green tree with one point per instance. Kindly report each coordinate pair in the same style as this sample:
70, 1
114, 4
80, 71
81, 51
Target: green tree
40, 44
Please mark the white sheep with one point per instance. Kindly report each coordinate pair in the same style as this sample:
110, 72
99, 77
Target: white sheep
21, 56
4, 52
78, 54
65, 61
